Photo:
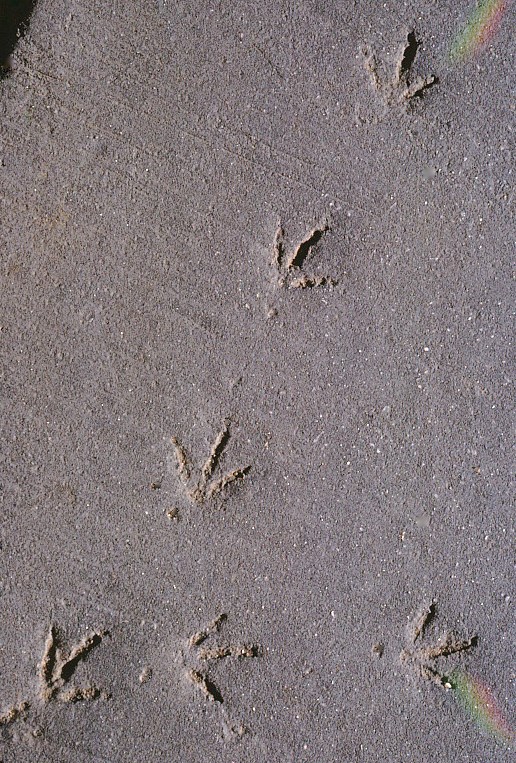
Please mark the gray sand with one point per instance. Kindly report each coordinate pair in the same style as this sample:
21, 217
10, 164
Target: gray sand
165, 168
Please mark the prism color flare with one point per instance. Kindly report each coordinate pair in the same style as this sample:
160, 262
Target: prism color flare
481, 705
480, 29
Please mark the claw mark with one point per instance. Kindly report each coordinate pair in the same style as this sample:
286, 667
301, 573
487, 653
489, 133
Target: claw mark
287, 270
183, 467
214, 457
218, 653
399, 90
448, 647
419, 658
279, 248
57, 668
206, 686
305, 282
431, 674
77, 694
212, 627
46, 666
14, 713
204, 489
200, 678
421, 621
371, 65
226, 480
418, 87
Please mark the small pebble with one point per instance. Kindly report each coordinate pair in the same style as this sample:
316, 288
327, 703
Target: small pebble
145, 675
378, 649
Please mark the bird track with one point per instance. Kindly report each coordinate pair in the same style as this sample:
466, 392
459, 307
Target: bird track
289, 267
400, 88
199, 674
422, 658
55, 672
206, 486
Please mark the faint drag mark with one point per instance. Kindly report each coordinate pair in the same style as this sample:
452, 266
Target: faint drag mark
290, 266
205, 485
398, 89
14, 20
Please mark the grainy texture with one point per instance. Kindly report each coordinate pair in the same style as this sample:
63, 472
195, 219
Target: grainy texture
154, 158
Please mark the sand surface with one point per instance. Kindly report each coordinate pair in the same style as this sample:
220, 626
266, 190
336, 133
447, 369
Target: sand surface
256, 384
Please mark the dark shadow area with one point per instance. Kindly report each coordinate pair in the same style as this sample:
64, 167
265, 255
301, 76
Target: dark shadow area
409, 54
14, 20
68, 669
213, 691
305, 247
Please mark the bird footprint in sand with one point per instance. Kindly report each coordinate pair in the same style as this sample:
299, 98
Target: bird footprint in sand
423, 658
398, 89
289, 267
198, 675
204, 487
57, 668
55, 671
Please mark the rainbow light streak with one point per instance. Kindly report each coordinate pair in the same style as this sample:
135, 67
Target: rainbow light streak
480, 704
481, 28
